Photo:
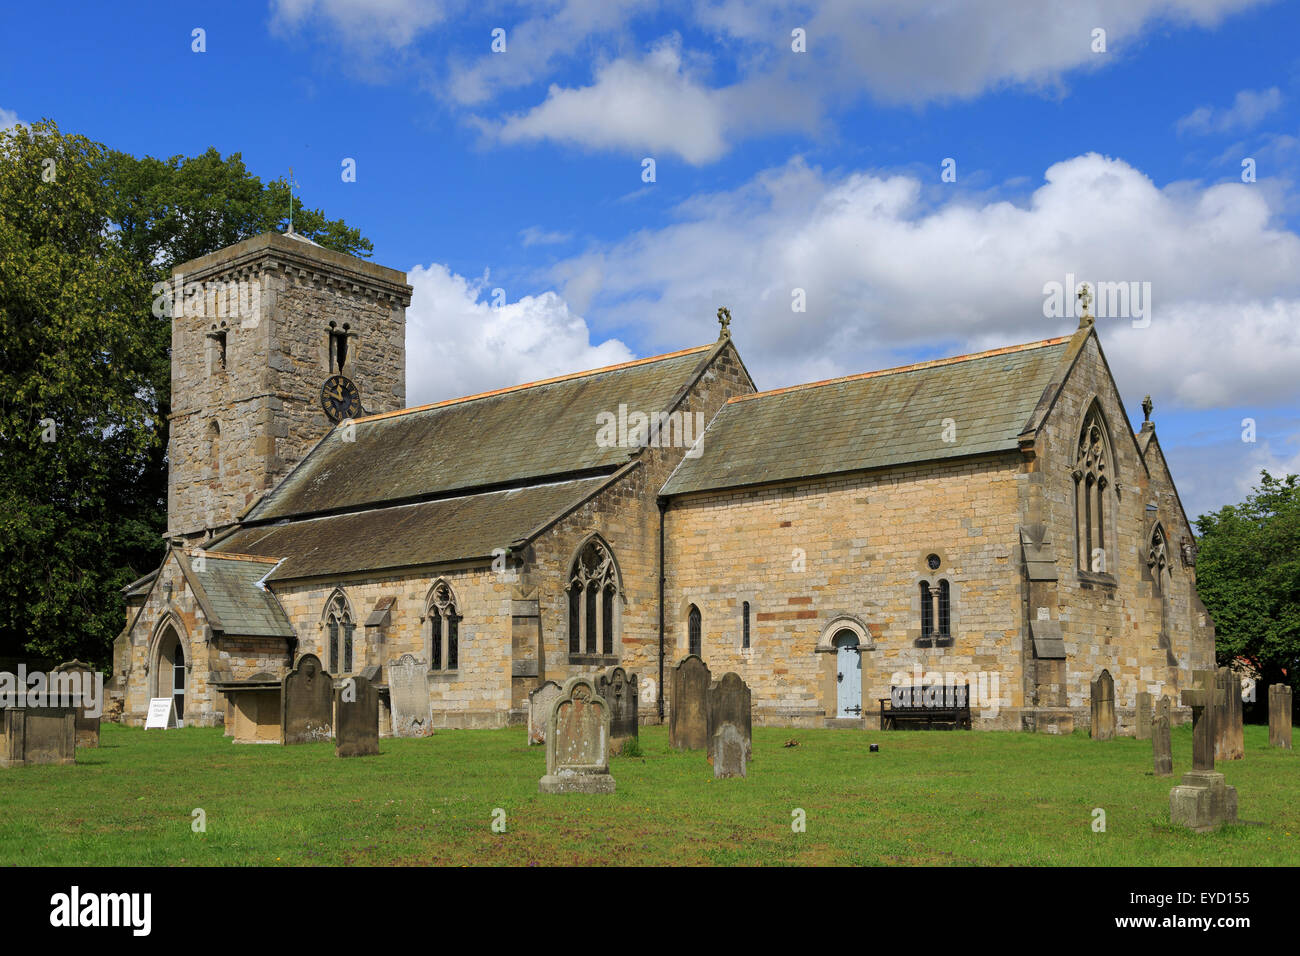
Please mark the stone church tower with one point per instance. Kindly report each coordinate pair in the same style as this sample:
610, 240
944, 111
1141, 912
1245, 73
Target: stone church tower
274, 339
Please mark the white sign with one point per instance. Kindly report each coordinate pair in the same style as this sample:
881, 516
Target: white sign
162, 713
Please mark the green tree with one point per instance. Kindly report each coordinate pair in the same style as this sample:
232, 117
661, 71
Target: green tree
85, 372
1248, 576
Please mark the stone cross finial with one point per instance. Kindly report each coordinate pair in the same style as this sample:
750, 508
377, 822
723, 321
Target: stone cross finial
724, 320
1085, 299
1147, 405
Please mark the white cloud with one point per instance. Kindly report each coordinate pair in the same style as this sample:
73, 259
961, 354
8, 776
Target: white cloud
1213, 474
364, 24
537, 236
890, 270
8, 118
458, 344
1248, 110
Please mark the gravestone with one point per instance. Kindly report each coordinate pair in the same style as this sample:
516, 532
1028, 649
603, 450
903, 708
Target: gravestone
306, 703
1103, 707
688, 721
577, 741
1143, 721
87, 727
539, 710
1279, 716
1229, 740
620, 693
1203, 802
36, 735
729, 748
408, 693
729, 703
356, 733
1162, 751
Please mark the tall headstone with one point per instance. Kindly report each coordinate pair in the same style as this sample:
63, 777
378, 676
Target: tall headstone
729, 748
1279, 716
1162, 750
577, 741
1230, 739
539, 711
688, 721
620, 692
356, 709
36, 735
1203, 802
408, 693
1103, 707
306, 703
87, 726
1143, 716
729, 703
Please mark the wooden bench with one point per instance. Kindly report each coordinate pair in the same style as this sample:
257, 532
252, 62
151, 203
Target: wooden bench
949, 705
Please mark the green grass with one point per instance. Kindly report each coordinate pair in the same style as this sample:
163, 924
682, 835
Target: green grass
926, 798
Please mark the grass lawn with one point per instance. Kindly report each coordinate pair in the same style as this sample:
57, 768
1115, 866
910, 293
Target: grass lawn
926, 798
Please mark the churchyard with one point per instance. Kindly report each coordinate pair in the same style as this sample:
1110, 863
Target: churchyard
190, 797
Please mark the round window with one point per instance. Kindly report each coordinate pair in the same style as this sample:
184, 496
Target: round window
933, 562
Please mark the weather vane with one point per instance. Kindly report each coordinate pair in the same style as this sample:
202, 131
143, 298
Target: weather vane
292, 184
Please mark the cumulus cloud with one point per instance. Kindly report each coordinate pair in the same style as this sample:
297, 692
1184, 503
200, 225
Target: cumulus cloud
458, 343
678, 101
1248, 110
887, 271
8, 118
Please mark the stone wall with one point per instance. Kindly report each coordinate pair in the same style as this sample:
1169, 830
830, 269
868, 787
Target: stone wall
813, 556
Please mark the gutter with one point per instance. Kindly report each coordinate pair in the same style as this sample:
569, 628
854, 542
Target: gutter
662, 502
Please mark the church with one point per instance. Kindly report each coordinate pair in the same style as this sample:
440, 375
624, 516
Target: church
993, 515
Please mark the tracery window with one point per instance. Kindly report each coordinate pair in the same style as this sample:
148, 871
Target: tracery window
339, 628
594, 595
442, 628
936, 613
1093, 494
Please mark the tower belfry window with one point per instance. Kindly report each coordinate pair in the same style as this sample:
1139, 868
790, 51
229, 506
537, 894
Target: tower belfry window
339, 348
217, 348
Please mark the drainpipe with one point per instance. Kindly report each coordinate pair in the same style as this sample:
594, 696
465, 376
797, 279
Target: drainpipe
662, 502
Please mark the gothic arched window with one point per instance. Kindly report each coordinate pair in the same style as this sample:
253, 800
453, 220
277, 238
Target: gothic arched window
594, 599
442, 628
1094, 491
339, 627
1158, 558
694, 631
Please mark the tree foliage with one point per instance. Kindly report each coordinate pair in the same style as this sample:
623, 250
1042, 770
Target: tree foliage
85, 374
1248, 576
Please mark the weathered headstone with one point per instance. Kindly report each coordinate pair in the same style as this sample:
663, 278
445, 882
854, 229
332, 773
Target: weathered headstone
1230, 739
408, 692
1162, 750
1203, 802
87, 726
1103, 707
688, 721
729, 703
356, 710
577, 741
539, 711
306, 703
1279, 716
35, 735
620, 693
1143, 715
729, 748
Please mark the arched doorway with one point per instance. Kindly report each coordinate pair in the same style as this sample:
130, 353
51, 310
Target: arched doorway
170, 671
848, 667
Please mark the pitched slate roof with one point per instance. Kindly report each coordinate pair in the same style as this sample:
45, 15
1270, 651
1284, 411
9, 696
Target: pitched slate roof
890, 417
232, 597
429, 532
512, 436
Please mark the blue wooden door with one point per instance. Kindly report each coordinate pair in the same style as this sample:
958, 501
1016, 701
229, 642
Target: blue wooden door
848, 666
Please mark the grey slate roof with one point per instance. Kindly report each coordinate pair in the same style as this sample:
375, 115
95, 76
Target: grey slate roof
396, 536
230, 585
518, 435
891, 417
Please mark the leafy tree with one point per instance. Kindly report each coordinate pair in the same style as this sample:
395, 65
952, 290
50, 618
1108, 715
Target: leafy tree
1248, 576
85, 372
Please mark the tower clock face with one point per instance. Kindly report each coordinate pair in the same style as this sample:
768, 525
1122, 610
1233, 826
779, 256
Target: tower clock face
340, 398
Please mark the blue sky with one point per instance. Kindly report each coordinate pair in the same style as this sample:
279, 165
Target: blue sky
775, 171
